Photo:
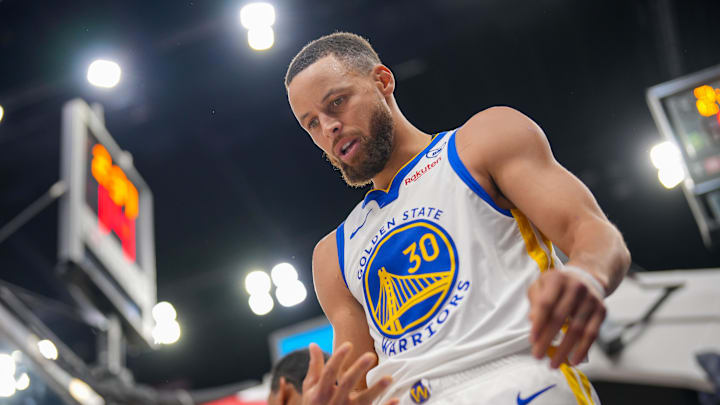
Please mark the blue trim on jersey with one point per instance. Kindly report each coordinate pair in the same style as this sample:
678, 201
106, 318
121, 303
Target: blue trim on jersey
383, 197
340, 238
466, 177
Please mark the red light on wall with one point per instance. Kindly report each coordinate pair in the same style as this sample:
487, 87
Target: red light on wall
115, 192
122, 191
112, 218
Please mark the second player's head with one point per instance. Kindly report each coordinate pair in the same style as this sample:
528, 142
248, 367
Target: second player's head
342, 95
286, 383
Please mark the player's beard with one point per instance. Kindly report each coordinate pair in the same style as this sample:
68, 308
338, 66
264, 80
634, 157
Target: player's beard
374, 151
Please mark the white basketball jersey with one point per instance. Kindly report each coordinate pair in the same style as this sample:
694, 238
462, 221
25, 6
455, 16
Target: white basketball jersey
440, 269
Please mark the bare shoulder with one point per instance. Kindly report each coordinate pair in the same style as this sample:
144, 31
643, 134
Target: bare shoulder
325, 256
329, 283
327, 246
498, 133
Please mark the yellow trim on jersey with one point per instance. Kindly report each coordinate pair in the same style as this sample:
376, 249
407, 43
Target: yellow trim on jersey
542, 257
574, 384
536, 252
387, 189
549, 246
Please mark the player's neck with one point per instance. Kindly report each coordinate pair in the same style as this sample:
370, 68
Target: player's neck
408, 142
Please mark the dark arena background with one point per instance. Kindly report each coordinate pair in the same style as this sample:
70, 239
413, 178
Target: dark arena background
173, 171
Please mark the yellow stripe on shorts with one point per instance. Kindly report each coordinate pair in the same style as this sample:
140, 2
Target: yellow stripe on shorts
574, 383
586, 385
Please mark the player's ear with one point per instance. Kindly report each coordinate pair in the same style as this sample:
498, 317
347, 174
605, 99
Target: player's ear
290, 395
281, 393
276, 396
384, 79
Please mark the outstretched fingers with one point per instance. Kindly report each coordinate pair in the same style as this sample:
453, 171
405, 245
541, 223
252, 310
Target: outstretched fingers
315, 367
350, 379
326, 385
370, 394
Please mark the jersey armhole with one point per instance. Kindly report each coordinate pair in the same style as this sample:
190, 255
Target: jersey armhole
340, 239
462, 172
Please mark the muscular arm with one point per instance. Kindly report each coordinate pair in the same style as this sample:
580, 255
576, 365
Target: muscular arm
344, 312
510, 151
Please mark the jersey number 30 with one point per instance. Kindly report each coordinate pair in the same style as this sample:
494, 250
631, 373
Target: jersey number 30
415, 259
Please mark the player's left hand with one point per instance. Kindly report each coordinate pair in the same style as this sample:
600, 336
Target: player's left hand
557, 297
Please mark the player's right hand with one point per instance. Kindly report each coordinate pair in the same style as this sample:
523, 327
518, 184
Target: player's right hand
558, 296
326, 384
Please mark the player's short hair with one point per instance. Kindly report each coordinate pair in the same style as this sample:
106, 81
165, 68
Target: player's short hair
352, 50
293, 367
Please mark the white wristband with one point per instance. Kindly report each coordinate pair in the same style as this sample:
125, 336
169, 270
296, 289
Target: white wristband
589, 278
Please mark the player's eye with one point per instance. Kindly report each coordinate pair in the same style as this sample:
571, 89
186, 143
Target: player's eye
338, 101
313, 123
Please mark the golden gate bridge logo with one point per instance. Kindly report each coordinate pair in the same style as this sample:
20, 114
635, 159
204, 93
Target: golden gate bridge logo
409, 276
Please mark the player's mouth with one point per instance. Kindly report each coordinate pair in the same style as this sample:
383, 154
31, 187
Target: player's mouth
346, 149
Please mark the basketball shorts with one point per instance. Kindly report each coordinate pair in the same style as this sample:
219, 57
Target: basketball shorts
514, 380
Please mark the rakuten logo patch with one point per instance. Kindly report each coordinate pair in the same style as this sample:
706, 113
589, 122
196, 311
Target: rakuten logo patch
419, 172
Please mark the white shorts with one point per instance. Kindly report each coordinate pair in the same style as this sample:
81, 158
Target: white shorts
514, 380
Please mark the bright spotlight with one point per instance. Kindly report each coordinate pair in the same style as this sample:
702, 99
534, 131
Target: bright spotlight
166, 333
7, 386
17, 356
23, 382
283, 273
667, 159
104, 73
83, 393
261, 38
257, 282
164, 311
291, 293
257, 15
665, 153
261, 304
48, 349
2, 113
671, 176
7, 365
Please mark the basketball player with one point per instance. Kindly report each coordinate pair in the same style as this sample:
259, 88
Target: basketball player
446, 269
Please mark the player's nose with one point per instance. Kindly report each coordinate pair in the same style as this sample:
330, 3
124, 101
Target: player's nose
331, 126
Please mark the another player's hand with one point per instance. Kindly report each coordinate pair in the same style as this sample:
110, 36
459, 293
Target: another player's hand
554, 298
326, 384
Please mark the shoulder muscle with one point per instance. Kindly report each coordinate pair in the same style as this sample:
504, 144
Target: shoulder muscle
497, 135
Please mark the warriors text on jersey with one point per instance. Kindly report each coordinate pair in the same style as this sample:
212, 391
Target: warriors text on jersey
441, 271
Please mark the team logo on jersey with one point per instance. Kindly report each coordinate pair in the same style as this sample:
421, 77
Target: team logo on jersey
410, 274
420, 391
